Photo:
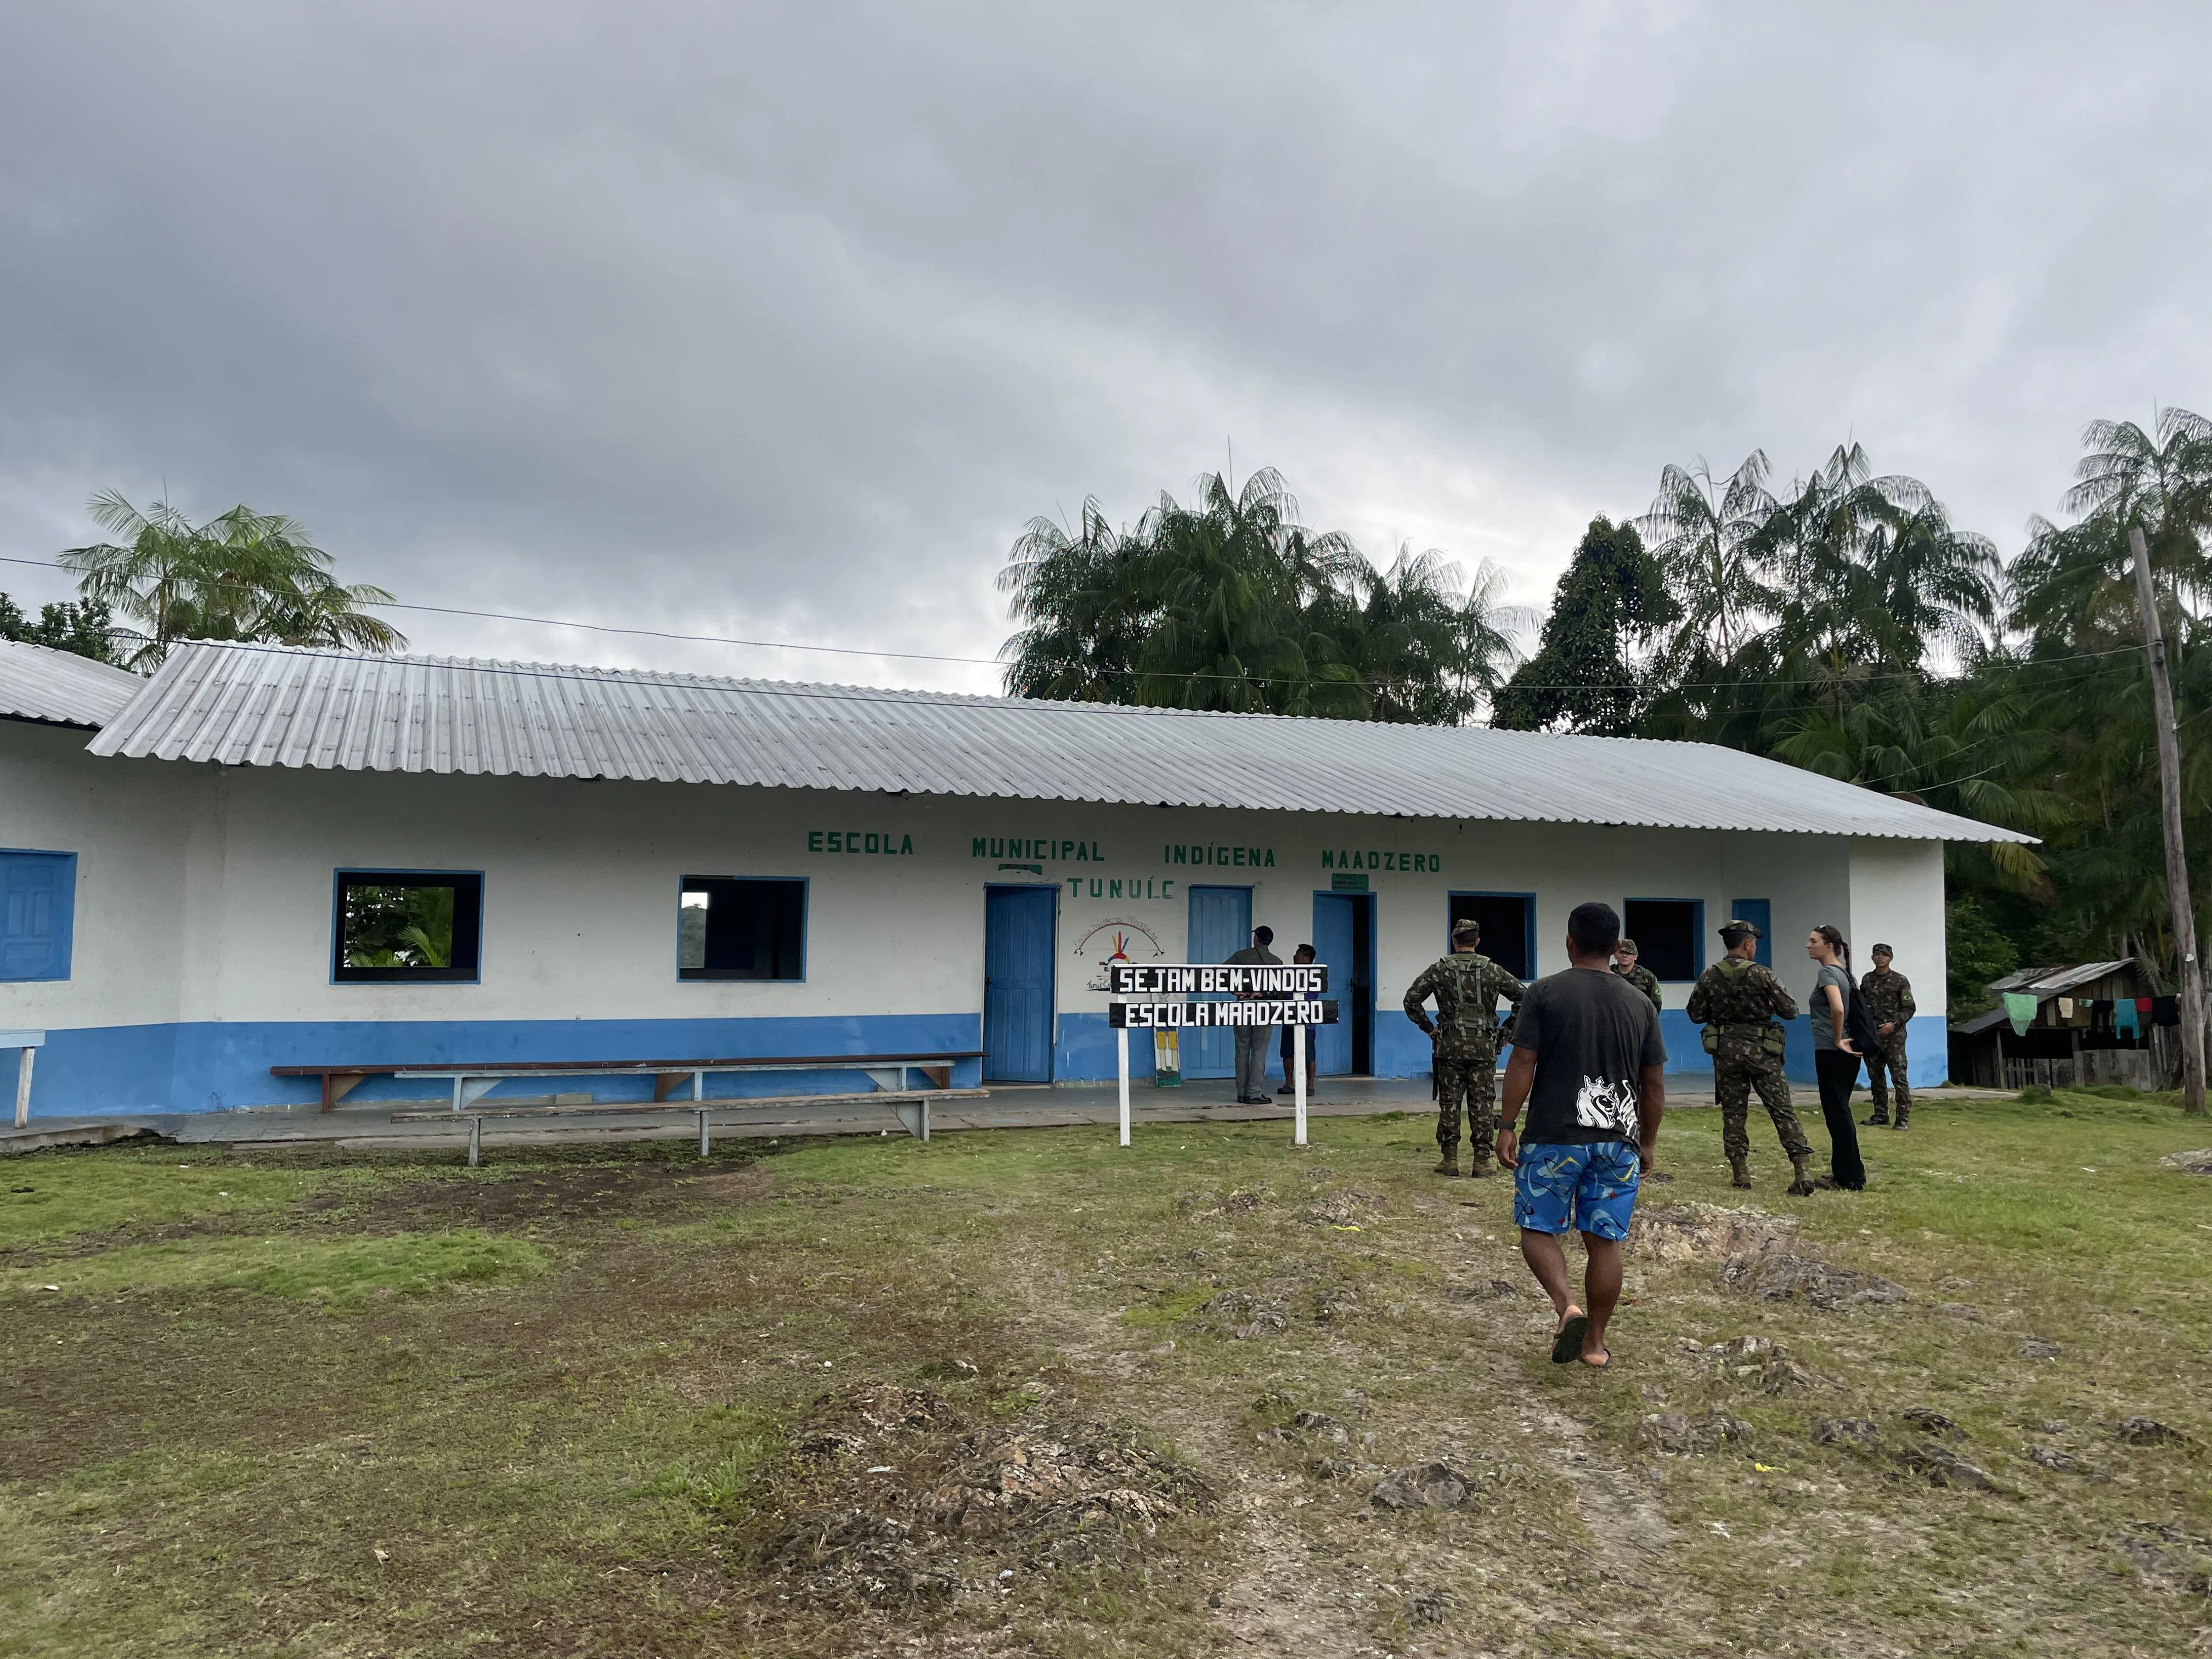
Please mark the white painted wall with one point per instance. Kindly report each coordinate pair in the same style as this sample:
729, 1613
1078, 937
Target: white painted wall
205, 894
1897, 899
137, 828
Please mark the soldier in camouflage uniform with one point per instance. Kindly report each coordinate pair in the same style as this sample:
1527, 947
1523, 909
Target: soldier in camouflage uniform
1467, 987
1889, 997
1737, 1001
1624, 965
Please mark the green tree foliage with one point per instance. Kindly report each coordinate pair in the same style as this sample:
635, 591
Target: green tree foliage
1864, 635
1231, 602
1977, 951
1611, 602
87, 629
241, 575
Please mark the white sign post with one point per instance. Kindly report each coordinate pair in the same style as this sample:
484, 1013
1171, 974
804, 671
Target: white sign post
1154, 997
29, 1042
1121, 1047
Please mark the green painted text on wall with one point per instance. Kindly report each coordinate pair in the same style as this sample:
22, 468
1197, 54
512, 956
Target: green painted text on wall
881, 841
1246, 858
1429, 863
996, 847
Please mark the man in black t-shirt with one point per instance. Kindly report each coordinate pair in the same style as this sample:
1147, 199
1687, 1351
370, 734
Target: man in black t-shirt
1588, 1062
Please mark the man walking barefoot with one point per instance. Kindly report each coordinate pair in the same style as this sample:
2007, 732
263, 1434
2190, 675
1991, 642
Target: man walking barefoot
1589, 1063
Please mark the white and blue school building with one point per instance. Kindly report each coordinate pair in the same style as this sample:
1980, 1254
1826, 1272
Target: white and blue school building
619, 866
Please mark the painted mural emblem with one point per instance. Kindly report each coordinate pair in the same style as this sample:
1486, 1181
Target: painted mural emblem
1119, 936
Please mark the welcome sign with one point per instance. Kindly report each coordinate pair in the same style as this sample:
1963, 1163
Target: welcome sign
1172, 979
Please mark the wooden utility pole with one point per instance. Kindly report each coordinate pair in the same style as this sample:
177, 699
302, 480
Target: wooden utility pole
2177, 857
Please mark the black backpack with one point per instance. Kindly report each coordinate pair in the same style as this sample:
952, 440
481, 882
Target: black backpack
1858, 1024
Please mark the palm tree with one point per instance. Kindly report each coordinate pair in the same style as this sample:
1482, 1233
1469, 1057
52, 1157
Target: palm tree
1429, 648
242, 575
1084, 618
2076, 581
1706, 535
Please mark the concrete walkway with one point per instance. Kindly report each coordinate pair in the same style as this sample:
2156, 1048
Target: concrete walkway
366, 1125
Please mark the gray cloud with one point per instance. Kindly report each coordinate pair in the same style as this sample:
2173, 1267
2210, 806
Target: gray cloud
779, 321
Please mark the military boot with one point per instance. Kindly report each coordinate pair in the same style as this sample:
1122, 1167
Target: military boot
1449, 1163
1739, 1172
1803, 1162
1879, 1116
1903, 1113
1480, 1162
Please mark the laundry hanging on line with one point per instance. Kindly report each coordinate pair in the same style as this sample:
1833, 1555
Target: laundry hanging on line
2020, 1009
2165, 1011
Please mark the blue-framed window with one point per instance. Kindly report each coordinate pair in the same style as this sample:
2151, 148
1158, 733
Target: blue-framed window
38, 914
407, 927
1760, 913
1670, 935
1509, 928
741, 928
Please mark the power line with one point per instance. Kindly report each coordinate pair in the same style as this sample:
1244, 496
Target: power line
1124, 674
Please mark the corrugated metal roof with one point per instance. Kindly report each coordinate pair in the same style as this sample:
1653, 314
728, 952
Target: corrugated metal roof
60, 687
2042, 983
272, 706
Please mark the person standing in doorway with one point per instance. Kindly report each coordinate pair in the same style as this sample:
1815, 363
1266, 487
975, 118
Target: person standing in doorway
1252, 1040
1590, 1064
1835, 1060
1624, 965
1292, 1034
1738, 1001
1889, 997
1467, 986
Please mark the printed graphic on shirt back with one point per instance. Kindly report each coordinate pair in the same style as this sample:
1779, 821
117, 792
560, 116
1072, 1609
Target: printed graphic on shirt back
1602, 1105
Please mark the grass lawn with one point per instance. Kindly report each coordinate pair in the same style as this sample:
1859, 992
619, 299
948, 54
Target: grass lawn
1025, 1392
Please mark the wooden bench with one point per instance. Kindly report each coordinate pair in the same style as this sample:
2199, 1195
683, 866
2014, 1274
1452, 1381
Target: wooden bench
911, 1108
471, 1083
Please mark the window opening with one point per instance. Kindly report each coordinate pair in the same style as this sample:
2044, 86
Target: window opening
727, 928
408, 927
1670, 935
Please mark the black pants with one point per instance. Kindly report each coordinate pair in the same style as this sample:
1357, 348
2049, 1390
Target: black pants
1838, 1073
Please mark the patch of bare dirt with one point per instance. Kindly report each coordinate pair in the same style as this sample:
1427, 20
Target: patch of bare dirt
1785, 1276
895, 1497
1705, 1232
553, 1193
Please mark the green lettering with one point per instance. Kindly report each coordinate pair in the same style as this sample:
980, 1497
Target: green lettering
906, 844
1113, 889
976, 848
1271, 857
1327, 859
836, 842
813, 841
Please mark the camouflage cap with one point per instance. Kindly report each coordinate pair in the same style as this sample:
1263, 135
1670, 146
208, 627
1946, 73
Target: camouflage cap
1741, 929
1882, 951
1628, 945
1467, 928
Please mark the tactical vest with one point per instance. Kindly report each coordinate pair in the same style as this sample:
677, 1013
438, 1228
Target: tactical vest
1735, 1009
1472, 1017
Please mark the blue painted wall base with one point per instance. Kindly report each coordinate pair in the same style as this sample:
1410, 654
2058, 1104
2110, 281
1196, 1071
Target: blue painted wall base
216, 1067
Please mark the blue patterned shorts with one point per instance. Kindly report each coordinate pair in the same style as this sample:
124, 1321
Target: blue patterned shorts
1590, 1187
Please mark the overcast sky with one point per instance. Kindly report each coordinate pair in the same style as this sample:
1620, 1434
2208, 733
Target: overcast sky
779, 321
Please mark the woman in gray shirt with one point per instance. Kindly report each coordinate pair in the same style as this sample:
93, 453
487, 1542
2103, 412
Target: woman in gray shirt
1835, 1061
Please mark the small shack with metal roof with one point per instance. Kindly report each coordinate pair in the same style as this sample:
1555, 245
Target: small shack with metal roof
2077, 1036
283, 858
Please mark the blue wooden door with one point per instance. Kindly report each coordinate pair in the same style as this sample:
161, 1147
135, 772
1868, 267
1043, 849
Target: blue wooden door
1334, 915
1760, 913
1220, 926
37, 891
1017, 936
